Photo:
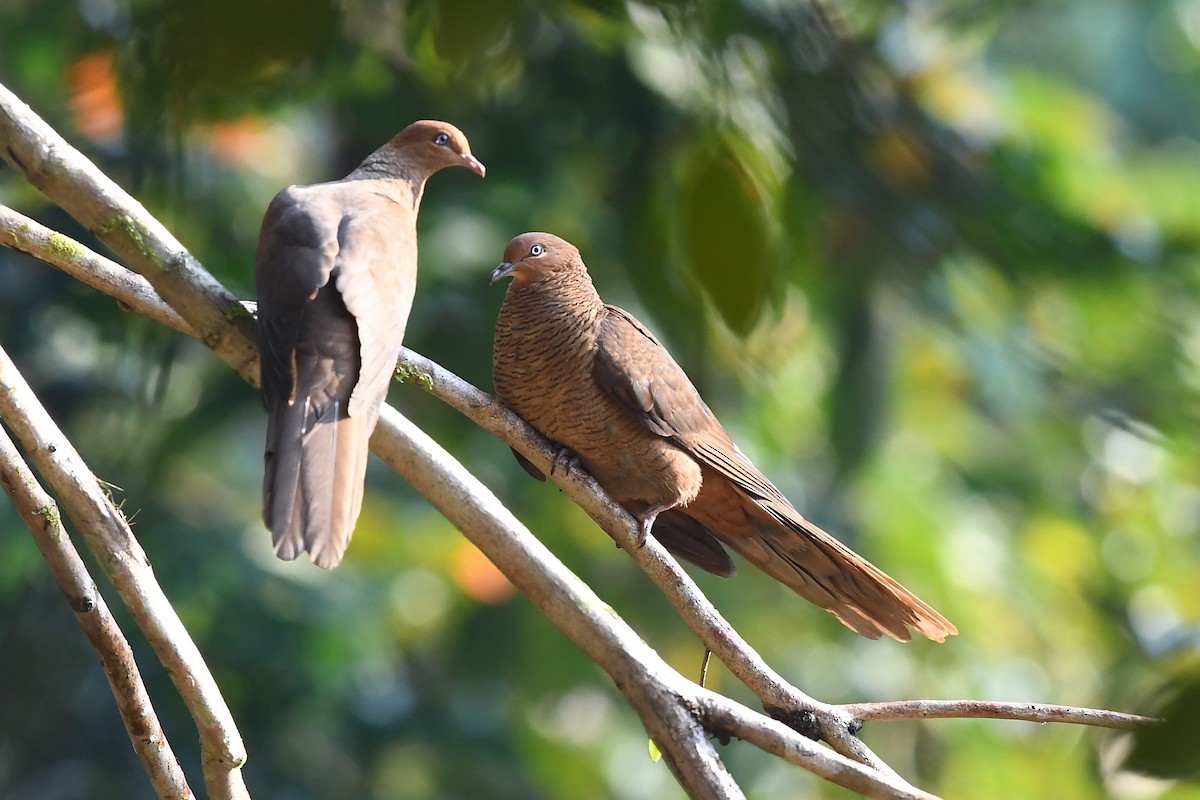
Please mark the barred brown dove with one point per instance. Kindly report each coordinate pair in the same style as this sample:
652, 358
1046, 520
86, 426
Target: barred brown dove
592, 379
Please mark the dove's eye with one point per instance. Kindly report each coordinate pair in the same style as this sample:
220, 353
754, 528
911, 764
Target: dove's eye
442, 139
537, 250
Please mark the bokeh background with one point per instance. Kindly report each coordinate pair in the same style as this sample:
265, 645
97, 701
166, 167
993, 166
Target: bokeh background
935, 264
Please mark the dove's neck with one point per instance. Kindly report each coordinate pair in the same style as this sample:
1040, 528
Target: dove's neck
545, 342
571, 294
401, 176
563, 301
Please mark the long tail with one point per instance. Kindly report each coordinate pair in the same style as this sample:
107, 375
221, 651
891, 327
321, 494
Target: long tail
826, 572
315, 465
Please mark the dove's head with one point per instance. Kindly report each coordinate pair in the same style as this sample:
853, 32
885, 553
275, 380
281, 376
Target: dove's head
433, 145
533, 257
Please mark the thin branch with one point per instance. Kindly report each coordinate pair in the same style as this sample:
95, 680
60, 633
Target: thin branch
648, 682
778, 739
77, 186
782, 700
108, 536
129, 289
112, 649
988, 709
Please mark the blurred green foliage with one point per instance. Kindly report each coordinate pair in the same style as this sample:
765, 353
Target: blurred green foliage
936, 265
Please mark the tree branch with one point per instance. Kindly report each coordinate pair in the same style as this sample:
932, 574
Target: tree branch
108, 536
660, 695
780, 740
782, 700
671, 707
988, 709
77, 186
130, 290
667, 702
116, 658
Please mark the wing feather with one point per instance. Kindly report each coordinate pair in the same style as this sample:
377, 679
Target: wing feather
294, 261
328, 334
376, 274
633, 368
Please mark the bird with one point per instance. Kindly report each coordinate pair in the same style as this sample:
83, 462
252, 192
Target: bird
335, 272
596, 382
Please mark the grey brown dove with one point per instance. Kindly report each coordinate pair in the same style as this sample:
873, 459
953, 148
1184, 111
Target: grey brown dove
592, 379
335, 274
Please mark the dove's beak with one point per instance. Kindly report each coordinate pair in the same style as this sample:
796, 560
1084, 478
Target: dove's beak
503, 271
474, 164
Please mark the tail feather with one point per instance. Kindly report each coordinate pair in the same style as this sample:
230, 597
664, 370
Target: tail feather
771, 534
826, 572
316, 462
282, 462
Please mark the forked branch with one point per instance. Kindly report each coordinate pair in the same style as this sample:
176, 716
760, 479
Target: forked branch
678, 714
112, 649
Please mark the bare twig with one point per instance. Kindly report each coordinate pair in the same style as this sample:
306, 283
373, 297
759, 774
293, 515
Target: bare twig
987, 709
776, 738
127, 288
107, 534
116, 658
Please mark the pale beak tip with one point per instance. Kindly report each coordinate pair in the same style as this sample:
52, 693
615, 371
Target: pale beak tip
474, 164
502, 271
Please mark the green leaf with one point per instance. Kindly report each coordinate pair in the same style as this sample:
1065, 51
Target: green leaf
724, 218
1170, 750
